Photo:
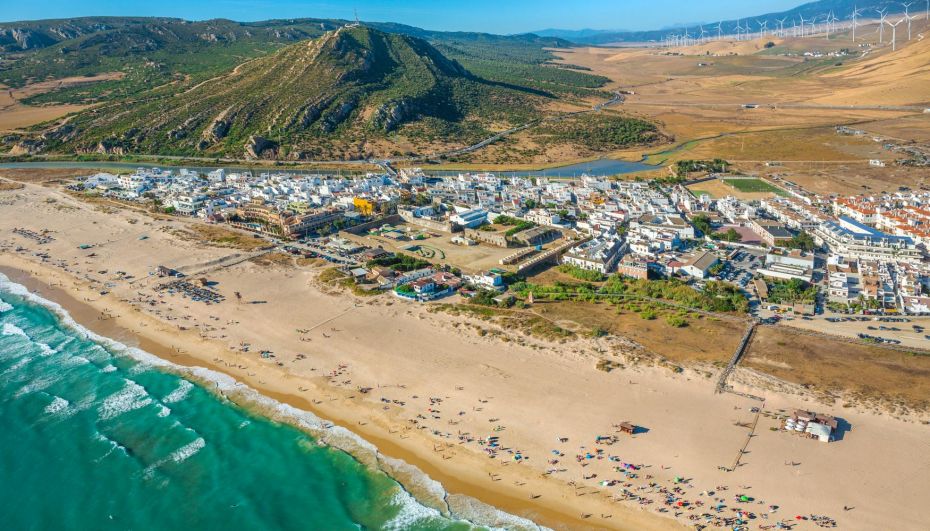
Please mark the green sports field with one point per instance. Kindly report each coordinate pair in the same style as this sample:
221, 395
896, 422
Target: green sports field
753, 186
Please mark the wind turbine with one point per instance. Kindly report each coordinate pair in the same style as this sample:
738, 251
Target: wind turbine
908, 17
702, 34
738, 29
855, 20
720, 28
763, 26
894, 33
781, 25
881, 24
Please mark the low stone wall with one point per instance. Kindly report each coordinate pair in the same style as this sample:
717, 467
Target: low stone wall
364, 227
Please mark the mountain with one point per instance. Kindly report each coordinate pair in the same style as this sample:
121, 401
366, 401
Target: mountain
331, 97
572, 35
842, 9
151, 52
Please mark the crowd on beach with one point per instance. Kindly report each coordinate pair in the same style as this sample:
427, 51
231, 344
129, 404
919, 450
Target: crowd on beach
586, 468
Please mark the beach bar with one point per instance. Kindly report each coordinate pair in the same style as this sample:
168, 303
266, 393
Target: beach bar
627, 427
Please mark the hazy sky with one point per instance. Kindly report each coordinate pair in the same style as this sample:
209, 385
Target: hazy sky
496, 16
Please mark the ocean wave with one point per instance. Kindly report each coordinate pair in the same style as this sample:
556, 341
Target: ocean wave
5, 306
17, 366
336, 436
10, 329
39, 384
75, 361
107, 368
163, 411
131, 397
188, 450
57, 405
411, 512
47, 350
113, 446
183, 389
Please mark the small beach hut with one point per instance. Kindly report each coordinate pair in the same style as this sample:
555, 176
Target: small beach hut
627, 427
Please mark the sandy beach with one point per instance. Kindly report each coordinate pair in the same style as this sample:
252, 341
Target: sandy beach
426, 388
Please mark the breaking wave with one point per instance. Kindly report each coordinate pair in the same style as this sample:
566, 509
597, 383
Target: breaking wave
133, 396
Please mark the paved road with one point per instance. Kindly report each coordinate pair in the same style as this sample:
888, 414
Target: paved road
713, 105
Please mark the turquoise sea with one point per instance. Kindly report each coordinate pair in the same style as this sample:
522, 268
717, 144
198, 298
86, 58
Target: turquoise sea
94, 435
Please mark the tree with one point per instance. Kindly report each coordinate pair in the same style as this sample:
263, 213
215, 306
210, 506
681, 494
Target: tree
803, 241
702, 223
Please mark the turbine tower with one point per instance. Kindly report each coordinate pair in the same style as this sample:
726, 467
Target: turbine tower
908, 16
720, 29
894, 33
802, 25
881, 25
781, 26
855, 20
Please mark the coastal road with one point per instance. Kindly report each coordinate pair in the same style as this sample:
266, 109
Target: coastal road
618, 98
712, 105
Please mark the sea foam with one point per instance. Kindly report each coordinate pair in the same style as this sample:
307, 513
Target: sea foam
131, 397
335, 436
183, 389
57, 405
10, 329
188, 450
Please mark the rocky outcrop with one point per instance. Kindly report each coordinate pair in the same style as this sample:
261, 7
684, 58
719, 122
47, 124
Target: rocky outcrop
218, 128
23, 39
110, 146
338, 116
27, 147
259, 147
392, 114
61, 133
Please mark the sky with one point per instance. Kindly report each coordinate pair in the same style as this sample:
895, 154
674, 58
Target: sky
493, 16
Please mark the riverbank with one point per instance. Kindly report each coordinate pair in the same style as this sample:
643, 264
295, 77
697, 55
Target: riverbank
595, 167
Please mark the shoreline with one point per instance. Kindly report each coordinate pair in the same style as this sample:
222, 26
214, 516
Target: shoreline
459, 480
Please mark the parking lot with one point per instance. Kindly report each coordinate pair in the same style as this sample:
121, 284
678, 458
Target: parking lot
911, 331
741, 268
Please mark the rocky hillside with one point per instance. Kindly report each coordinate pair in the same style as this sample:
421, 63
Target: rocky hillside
330, 97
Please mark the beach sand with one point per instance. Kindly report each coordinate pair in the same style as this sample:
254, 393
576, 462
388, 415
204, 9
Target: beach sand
433, 368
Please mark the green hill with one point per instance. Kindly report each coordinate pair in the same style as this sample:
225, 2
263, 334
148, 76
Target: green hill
330, 97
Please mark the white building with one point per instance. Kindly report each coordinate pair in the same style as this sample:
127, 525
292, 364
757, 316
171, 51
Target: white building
600, 254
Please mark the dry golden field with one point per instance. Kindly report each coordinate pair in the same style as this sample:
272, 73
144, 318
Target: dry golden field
697, 94
16, 115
